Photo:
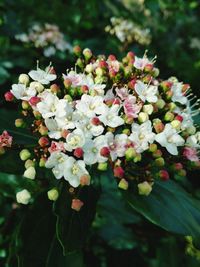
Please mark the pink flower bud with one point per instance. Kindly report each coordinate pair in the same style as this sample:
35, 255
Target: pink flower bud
148, 67
34, 100
164, 175
178, 166
111, 57
55, 88
118, 172
43, 141
76, 204
9, 96
103, 64
105, 152
179, 118
77, 50
85, 180
84, 89
130, 55
78, 152
132, 83
67, 83
95, 121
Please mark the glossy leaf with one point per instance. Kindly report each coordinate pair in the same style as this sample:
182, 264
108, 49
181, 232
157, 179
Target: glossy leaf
169, 207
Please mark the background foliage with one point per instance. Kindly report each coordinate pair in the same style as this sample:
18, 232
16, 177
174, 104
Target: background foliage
119, 235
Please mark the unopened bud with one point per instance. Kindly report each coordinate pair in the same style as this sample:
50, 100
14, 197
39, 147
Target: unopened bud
169, 116
103, 166
89, 68
55, 89
123, 184
43, 141
126, 131
68, 98
19, 123
78, 152
24, 79
53, 194
172, 106
37, 86
160, 162
137, 158
85, 180
176, 124
130, 153
160, 103
77, 204
42, 162
159, 127
153, 148
25, 105
157, 153
118, 172
105, 152
34, 100
24, 154
144, 188
23, 197
43, 130
67, 83
9, 97
29, 163
37, 114
142, 117
164, 175
30, 173
191, 130
148, 109
99, 71
87, 53
2, 151
77, 50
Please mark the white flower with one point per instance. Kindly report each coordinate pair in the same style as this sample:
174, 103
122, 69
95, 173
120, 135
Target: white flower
74, 139
51, 106
89, 129
20, 91
23, 197
91, 105
170, 139
194, 140
57, 161
110, 116
92, 149
140, 63
54, 129
146, 92
142, 136
74, 170
44, 77
116, 144
178, 94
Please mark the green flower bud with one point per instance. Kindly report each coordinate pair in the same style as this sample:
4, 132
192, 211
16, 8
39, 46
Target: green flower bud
144, 188
23, 197
160, 103
123, 184
25, 105
23, 78
169, 116
37, 86
130, 153
160, 162
53, 194
176, 124
148, 109
102, 166
153, 148
19, 123
29, 163
30, 173
24, 154
142, 117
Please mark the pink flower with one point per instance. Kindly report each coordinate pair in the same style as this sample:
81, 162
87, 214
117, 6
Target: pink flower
131, 109
56, 146
5, 139
190, 153
122, 92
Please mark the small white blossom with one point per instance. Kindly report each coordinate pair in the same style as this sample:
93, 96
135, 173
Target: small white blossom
110, 116
57, 161
74, 139
23, 197
41, 76
146, 92
178, 94
170, 139
20, 91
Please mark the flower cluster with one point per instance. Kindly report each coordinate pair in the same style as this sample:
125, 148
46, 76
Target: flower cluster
47, 37
128, 32
5, 141
108, 113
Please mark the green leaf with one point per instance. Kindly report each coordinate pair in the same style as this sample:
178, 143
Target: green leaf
10, 162
169, 207
72, 226
21, 136
35, 242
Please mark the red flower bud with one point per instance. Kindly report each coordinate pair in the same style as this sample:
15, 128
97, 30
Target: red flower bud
105, 152
130, 55
178, 166
95, 121
78, 152
103, 64
9, 96
67, 83
84, 89
34, 100
76, 204
111, 57
132, 83
77, 50
118, 172
43, 141
148, 67
179, 118
164, 175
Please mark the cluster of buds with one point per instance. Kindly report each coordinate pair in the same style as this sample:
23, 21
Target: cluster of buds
47, 37
128, 31
108, 113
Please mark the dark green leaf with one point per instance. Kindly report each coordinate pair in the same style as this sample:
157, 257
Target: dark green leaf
72, 226
21, 136
169, 207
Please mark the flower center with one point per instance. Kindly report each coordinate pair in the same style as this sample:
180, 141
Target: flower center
75, 140
75, 169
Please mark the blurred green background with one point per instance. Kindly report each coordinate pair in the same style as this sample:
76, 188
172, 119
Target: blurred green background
169, 29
